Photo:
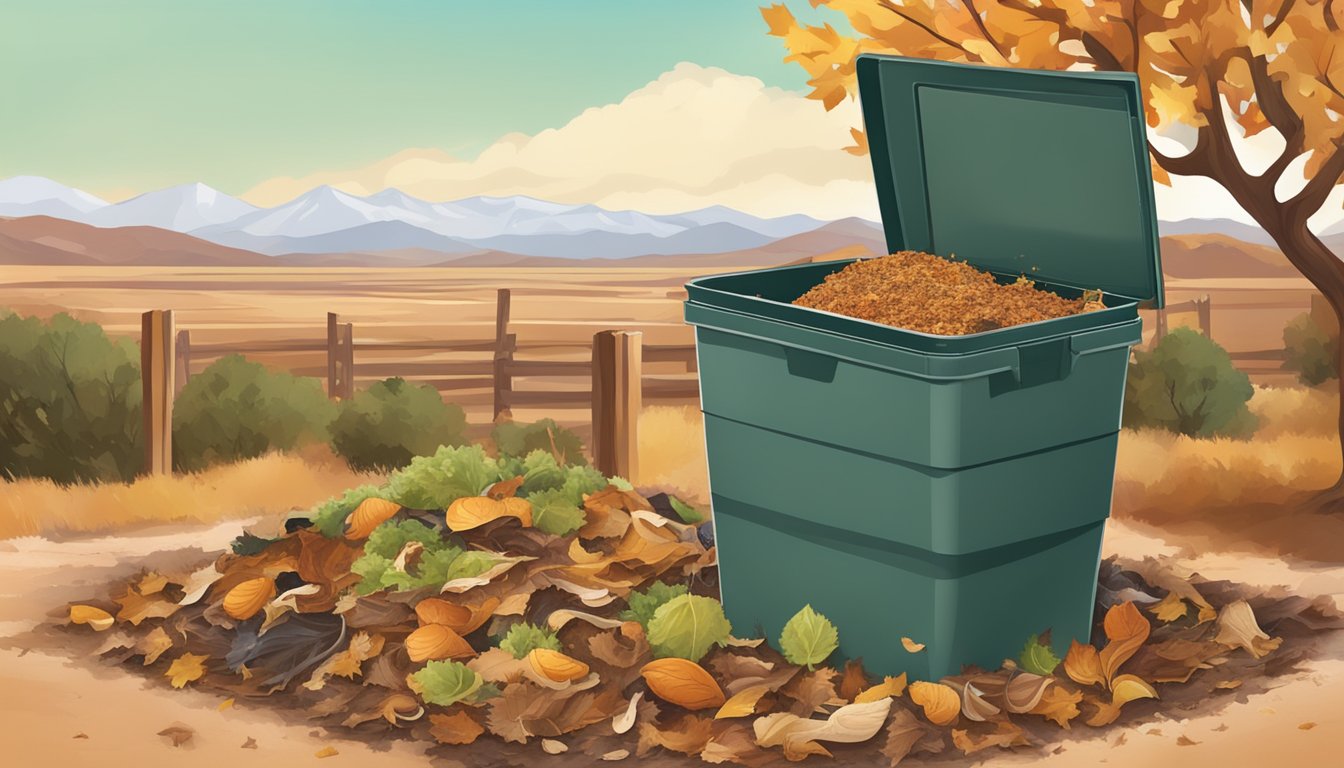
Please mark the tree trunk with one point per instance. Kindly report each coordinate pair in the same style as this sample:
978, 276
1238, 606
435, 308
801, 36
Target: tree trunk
1318, 264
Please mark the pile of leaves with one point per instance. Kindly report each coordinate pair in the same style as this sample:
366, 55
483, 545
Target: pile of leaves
521, 601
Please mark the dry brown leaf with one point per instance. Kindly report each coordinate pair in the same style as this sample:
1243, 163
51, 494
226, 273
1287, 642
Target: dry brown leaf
1127, 630
347, 663
153, 645
743, 672
853, 680
682, 682
498, 666
1227, 685
742, 704
608, 648
1185, 741
734, 744
457, 728
941, 703
524, 711
1307, 726
974, 705
1024, 691
1058, 705
1083, 665
504, 488
615, 754
151, 583
688, 736
96, 618
1006, 735
1238, 628
558, 619
178, 734
911, 646
251, 743
135, 607
393, 708
906, 735
1169, 608
810, 690
187, 668
502, 566
890, 686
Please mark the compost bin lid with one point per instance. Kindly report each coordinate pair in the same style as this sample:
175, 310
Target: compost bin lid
1015, 171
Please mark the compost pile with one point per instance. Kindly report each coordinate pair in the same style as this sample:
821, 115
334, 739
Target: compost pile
926, 293
529, 607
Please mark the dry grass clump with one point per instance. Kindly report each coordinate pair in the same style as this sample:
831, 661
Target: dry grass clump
926, 293
268, 485
1296, 411
672, 450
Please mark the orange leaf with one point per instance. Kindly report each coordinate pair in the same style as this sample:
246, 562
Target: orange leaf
1059, 705
1082, 665
941, 703
780, 19
1127, 630
457, 728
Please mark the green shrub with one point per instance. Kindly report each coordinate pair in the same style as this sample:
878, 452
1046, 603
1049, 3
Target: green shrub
1187, 384
69, 401
237, 409
1310, 350
385, 426
514, 439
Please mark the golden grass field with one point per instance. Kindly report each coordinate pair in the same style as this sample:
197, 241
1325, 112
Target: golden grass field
1160, 478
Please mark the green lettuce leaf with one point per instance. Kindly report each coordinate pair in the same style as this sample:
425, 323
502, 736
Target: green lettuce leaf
447, 682
808, 638
687, 626
643, 604
523, 637
1038, 658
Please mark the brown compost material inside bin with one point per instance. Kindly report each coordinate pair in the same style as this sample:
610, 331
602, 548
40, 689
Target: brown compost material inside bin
930, 294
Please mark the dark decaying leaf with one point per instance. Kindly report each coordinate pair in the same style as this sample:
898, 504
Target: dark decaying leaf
250, 544
689, 735
178, 734
298, 642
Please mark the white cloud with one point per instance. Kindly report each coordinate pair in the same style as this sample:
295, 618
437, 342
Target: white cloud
698, 136
694, 137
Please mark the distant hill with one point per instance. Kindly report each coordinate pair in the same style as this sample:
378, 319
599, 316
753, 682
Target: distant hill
48, 240
1192, 256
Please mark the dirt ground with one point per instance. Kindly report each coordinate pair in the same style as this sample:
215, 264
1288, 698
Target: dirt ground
73, 713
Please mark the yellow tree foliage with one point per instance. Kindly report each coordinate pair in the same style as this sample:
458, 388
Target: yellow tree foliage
1220, 67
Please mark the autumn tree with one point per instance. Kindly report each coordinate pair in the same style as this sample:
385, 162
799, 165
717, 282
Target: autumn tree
1220, 68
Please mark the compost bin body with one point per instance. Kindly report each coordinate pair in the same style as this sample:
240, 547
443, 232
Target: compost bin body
952, 490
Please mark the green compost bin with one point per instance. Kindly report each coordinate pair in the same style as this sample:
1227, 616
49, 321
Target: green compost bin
949, 489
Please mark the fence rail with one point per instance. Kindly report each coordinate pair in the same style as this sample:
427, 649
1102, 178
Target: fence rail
1259, 361
169, 360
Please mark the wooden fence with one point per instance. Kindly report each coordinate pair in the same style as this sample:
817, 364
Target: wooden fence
1260, 361
615, 384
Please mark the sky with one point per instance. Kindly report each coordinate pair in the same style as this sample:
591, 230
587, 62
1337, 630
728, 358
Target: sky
136, 95
629, 104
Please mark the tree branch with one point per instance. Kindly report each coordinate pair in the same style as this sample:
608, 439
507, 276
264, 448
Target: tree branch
1312, 196
1283, 14
1269, 94
896, 9
980, 24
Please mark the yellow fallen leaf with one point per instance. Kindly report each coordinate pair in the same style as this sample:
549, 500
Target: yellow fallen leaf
941, 703
742, 703
911, 646
326, 752
1238, 628
1083, 665
1058, 705
1306, 726
470, 512
1170, 608
891, 686
153, 645
1124, 689
1227, 685
225, 704
96, 618
800, 737
186, 668
152, 583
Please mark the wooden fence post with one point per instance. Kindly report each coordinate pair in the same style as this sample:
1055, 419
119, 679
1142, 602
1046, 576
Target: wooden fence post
182, 362
347, 361
1202, 308
617, 398
1160, 327
333, 354
504, 347
157, 363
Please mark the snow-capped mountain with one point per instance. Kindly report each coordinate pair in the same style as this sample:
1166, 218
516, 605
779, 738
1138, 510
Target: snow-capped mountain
183, 208
326, 220
36, 196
